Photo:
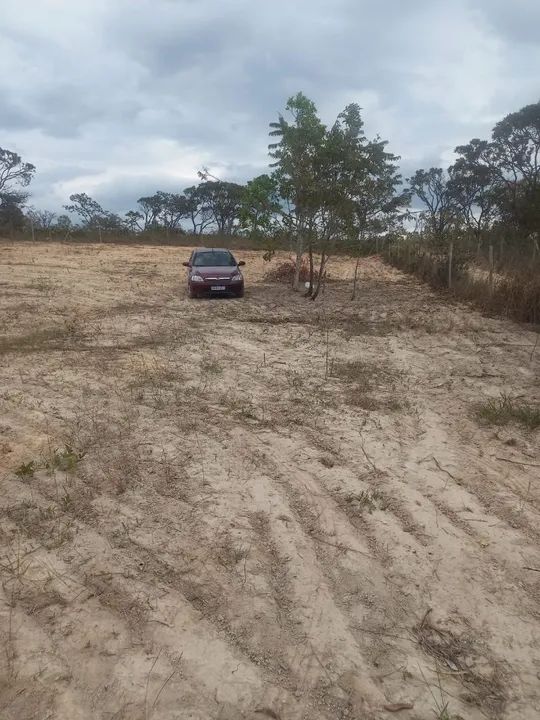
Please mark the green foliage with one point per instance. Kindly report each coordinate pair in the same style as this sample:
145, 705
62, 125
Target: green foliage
333, 182
261, 207
223, 201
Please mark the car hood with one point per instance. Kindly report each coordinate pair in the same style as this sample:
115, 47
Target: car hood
215, 272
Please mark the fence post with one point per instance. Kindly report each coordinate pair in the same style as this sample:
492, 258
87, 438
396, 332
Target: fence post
32, 228
450, 258
491, 269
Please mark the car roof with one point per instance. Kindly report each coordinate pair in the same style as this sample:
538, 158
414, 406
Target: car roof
213, 249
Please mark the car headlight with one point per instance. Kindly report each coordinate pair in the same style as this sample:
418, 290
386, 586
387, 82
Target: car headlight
196, 278
236, 277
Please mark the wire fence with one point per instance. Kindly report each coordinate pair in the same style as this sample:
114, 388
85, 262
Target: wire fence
499, 277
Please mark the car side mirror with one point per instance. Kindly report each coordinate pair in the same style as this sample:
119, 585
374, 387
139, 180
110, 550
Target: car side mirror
241, 263
186, 264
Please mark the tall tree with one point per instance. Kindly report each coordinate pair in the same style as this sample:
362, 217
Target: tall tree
512, 161
174, 207
431, 186
151, 207
198, 210
88, 209
475, 188
261, 207
13, 171
223, 201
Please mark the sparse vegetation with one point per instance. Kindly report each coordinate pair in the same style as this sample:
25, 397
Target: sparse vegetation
196, 492
65, 459
26, 470
505, 410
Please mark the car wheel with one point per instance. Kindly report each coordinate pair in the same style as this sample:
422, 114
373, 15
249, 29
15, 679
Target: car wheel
239, 293
192, 294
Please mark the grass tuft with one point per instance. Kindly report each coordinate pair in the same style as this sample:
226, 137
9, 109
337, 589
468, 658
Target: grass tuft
65, 460
505, 410
26, 470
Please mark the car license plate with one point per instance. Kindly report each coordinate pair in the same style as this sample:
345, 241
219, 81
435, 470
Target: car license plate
217, 287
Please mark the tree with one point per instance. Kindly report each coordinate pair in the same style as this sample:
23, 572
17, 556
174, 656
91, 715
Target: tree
41, 219
197, 209
260, 207
13, 171
431, 186
87, 208
63, 222
11, 214
297, 166
133, 220
222, 200
475, 188
174, 207
151, 207
331, 183
64, 225
512, 160
372, 201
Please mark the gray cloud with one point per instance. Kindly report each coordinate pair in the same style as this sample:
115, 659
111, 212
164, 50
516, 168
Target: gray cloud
120, 99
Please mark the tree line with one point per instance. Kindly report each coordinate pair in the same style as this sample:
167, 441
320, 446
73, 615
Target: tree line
492, 187
328, 186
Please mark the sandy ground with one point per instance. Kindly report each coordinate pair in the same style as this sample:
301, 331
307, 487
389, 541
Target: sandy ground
259, 508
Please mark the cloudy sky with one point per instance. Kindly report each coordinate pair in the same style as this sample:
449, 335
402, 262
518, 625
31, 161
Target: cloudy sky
119, 98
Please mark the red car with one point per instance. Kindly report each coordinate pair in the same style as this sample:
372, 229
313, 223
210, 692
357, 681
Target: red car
214, 270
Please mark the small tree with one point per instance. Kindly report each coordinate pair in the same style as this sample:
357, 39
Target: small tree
296, 158
133, 221
41, 219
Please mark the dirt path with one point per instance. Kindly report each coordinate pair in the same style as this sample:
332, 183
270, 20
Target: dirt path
259, 508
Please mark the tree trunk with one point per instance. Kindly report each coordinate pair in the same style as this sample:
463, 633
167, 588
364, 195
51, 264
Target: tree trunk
491, 269
321, 271
353, 296
309, 291
299, 257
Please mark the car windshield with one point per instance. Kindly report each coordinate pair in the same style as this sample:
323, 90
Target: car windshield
214, 258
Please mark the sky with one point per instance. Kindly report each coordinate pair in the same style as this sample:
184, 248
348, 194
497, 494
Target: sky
120, 98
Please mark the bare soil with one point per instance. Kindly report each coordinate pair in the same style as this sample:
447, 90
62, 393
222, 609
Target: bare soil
260, 508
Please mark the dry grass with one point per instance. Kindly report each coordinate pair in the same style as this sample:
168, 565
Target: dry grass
505, 410
370, 386
456, 654
201, 480
515, 291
